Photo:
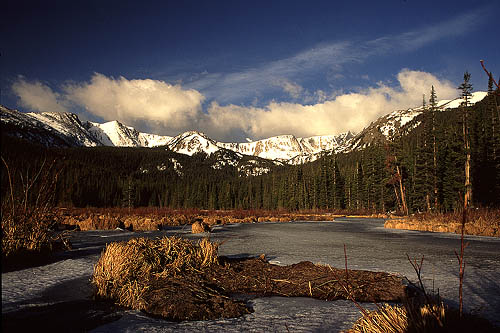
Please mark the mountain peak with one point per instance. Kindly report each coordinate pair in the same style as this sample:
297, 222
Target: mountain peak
192, 142
65, 129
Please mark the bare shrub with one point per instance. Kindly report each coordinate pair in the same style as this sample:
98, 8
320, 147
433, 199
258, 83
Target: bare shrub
27, 211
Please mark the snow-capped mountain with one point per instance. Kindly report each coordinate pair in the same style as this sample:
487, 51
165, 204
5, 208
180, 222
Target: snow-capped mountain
114, 133
387, 126
290, 148
47, 128
193, 142
66, 130
280, 148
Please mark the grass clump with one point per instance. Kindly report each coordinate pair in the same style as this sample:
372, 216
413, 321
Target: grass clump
417, 316
125, 270
481, 222
407, 318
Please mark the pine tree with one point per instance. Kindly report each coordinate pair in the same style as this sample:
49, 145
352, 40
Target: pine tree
433, 109
466, 88
128, 193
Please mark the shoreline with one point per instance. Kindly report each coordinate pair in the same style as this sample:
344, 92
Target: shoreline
157, 219
108, 219
471, 228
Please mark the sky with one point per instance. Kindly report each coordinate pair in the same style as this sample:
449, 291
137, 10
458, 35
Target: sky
239, 70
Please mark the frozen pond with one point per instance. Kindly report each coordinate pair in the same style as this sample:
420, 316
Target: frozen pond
63, 286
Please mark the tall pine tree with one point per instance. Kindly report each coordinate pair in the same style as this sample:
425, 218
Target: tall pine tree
466, 89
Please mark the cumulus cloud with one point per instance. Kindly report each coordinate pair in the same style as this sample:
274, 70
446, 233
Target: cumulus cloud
346, 112
147, 104
166, 106
170, 109
37, 96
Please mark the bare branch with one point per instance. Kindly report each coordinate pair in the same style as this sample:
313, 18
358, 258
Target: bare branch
490, 75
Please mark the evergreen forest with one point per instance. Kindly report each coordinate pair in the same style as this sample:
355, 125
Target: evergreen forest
420, 169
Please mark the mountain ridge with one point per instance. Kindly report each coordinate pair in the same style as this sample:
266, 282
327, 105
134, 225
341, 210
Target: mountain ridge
66, 130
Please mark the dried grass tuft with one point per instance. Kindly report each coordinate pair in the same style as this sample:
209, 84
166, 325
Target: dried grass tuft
408, 318
199, 227
388, 318
124, 269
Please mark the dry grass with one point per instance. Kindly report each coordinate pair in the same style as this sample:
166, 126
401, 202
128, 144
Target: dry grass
99, 222
417, 316
199, 227
408, 318
481, 222
124, 269
145, 219
151, 218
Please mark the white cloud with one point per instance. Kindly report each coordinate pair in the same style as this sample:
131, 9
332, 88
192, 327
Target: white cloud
147, 104
346, 112
169, 107
37, 96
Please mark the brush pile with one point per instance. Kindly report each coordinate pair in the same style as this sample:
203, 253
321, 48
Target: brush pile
163, 277
178, 280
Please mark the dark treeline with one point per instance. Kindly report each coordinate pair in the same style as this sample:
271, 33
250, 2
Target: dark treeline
421, 169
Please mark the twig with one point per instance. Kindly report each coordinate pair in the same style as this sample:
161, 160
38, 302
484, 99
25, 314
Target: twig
346, 287
461, 262
346, 271
418, 270
10, 186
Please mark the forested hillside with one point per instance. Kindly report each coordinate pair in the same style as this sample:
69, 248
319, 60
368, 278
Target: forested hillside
421, 168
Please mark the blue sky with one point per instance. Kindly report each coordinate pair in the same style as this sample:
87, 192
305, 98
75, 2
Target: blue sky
237, 69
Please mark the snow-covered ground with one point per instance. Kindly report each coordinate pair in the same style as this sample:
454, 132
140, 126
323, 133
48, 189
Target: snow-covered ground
369, 246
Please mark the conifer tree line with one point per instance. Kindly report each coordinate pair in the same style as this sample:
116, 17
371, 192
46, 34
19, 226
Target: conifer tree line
420, 169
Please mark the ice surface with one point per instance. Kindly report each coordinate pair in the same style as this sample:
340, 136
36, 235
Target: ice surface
369, 247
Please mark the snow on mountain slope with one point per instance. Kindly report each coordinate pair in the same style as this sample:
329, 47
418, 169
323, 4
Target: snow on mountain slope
114, 133
385, 127
455, 103
192, 142
283, 147
65, 129
154, 140
318, 144
402, 117
49, 129
288, 147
